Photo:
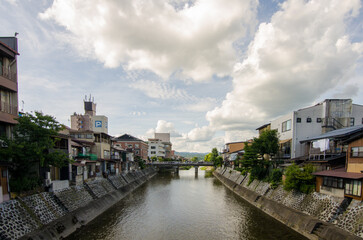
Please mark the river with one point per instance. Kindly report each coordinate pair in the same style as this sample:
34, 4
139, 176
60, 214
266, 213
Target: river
184, 207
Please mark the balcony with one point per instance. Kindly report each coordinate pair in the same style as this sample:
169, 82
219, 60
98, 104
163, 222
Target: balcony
88, 156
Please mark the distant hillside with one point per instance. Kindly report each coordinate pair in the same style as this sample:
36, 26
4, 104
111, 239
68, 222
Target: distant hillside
200, 156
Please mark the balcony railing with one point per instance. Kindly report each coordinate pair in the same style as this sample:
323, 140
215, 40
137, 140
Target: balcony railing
89, 156
7, 73
8, 108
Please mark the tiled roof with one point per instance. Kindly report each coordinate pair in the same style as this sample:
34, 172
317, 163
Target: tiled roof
340, 173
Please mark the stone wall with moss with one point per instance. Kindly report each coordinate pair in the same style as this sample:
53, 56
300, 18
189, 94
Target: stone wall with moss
328, 211
21, 217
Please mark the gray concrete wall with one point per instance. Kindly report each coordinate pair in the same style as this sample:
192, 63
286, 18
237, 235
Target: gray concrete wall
316, 216
57, 215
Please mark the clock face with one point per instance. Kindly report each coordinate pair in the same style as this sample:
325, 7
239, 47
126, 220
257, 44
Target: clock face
98, 124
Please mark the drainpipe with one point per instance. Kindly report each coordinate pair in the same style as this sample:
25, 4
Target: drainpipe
294, 134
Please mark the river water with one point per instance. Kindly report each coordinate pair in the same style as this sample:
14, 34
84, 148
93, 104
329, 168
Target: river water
184, 207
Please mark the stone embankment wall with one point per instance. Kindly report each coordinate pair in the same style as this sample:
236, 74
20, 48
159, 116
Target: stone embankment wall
315, 215
56, 215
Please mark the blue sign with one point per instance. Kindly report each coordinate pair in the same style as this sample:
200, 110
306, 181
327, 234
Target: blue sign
98, 124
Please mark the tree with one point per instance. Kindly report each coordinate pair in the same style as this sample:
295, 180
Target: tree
267, 143
32, 148
214, 157
300, 179
194, 159
207, 157
140, 161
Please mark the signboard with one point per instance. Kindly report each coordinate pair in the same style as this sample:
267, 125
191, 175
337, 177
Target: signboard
98, 124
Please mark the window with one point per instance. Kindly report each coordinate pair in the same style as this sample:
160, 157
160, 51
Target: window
153, 152
136, 145
333, 182
129, 145
89, 136
318, 120
298, 120
351, 122
308, 120
356, 152
353, 187
286, 126
153, 147
137, 152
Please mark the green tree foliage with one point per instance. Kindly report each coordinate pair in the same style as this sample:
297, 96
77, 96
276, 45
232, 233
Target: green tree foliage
141, 162
31, 147
207, 158
300, 179
194, 159
214, 157
253, 160
267, 143
275, 178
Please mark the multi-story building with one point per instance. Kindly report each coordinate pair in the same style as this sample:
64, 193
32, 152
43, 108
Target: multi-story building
156, 148
165, 139
233, 150
131, 143
8, 100
347, 180
89, 120
312, 121
94, 128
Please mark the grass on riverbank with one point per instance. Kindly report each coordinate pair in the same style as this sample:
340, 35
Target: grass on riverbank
208, 171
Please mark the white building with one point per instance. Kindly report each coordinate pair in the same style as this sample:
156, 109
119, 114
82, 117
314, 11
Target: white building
156, 148
312, 121
165, 139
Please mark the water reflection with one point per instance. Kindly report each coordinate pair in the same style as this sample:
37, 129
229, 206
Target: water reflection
183, 206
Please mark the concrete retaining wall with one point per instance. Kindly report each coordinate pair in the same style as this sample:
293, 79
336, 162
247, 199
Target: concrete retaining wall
56, 215
316, 216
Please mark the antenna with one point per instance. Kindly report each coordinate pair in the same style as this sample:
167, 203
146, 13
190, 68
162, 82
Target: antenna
22, 105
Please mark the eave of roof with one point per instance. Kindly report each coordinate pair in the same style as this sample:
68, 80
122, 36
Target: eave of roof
337, 134
340, 173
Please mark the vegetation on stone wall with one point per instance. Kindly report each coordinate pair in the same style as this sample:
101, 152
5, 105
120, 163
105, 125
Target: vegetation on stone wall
256, 158
300, 179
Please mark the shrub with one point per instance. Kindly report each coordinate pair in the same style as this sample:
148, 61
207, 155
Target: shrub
275, 178
300, 179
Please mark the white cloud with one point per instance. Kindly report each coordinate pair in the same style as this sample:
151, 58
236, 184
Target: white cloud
163, 127
303, 52
196, 39
200, 104
204, 133
238, 136
12, 2
159, 90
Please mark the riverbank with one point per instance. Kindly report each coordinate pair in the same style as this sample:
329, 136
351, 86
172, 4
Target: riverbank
311, 215
56, 215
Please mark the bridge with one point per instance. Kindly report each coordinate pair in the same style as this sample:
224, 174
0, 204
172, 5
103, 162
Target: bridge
179, 164
176, 165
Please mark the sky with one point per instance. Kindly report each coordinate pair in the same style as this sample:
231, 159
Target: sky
207, 71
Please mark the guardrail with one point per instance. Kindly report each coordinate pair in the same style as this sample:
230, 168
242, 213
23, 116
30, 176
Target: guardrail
180, 163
